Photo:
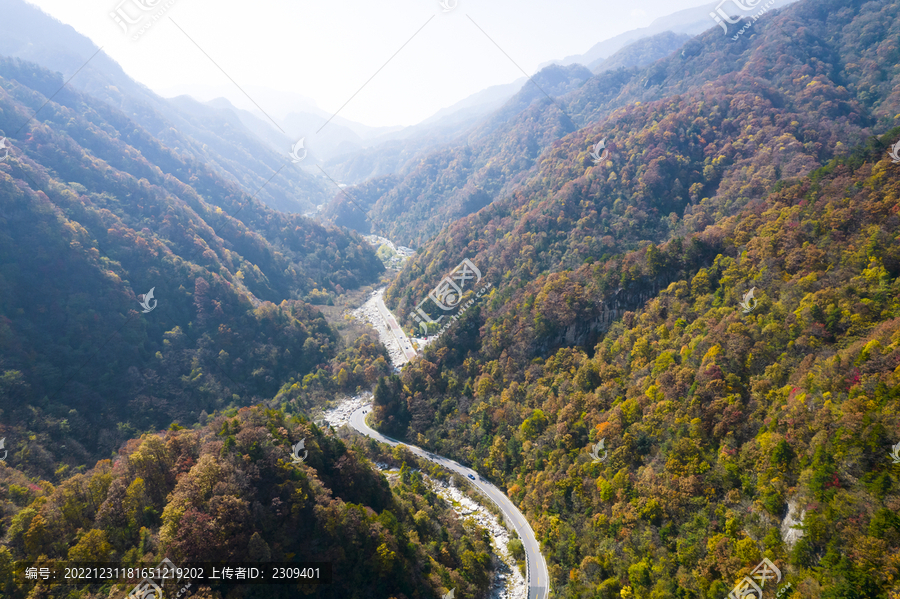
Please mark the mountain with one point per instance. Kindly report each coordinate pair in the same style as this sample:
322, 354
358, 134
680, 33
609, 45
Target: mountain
277, 141
480, 103
690, 22
399, 153
456, 180
297, 117
279, 105
350, 152
552, 81
230, 491
99, 219
642, 52
746, 381
214, 137
438, 186
324, 141
396, 152
708, 124
422, 194
715, 300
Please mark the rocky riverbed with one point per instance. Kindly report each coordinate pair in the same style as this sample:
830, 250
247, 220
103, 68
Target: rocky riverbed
508, 582
339, 415
370, 314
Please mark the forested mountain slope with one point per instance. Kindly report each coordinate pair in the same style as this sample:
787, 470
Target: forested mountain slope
230, 491
615, 314
214, 136
810, 83
722, 413
644, 52
454, 181
446, 184
392, 152
833, 63
94, 213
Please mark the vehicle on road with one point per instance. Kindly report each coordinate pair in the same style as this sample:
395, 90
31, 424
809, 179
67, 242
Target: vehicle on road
512, 514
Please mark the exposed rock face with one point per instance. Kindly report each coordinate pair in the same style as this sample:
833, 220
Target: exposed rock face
586, 332
790, 534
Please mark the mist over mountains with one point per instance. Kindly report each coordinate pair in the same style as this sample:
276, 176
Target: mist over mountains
213, 137
654, 300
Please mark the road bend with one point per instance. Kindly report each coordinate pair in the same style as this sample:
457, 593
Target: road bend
536, 568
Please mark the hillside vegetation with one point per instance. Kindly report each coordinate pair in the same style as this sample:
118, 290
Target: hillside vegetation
735, 118
95, 213
718, 419
231, 492
712, 310
615, 314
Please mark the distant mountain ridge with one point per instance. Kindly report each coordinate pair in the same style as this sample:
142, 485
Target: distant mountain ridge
441, 185
344, 145
95, 213
643, 52
677, 133
690, 21
227, 145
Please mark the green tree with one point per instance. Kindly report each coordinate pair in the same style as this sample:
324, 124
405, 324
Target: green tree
91, 547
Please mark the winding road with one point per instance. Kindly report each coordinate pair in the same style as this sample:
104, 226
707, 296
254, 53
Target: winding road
537, 575
393, 327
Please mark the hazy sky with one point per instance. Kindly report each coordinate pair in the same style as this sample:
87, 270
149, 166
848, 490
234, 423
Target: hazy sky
328, 49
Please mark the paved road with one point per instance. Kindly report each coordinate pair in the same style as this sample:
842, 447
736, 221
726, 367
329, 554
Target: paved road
391, 322
537, 574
